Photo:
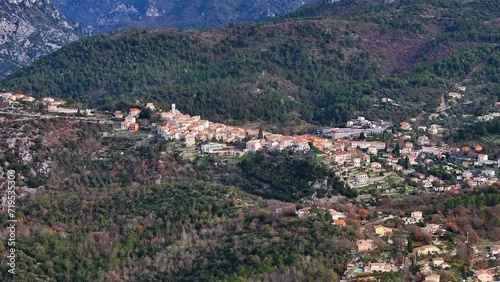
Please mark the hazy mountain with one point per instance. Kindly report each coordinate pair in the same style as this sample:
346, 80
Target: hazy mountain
98, 16
30, 29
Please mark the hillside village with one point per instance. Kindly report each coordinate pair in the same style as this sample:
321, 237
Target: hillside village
361, 153
376, 158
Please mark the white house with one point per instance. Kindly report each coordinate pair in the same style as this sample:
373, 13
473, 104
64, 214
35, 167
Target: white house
210, 147
362, 178
254, 145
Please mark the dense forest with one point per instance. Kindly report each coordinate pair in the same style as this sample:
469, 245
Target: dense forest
289, 178
322, 64
184, 231
96, 214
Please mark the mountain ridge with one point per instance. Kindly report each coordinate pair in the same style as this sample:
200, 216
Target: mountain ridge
321, 70
98, 17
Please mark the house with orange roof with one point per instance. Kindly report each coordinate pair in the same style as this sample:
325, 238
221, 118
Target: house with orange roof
301, 144
341, 157
19, 96
285, 142
338, 145
134, 112
405, 126
133, 127
28, 99
124, 125
340, 223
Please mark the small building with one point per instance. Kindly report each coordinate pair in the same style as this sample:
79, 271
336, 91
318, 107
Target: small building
382, 230
365, 245
134, 112
362, 178
210, 147
415, 217
336, 215
340, 223
378, 266
438, 262
254, 145
432, 278
489, 173
427, 250
118, 114
432, 229
455, 95
190, 140
484, 276
133, 127
303, 213
481, 158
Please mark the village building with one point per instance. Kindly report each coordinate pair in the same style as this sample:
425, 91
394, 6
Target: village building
427, 250
362, 178
432, 278
339, 222
365, 245
382, 230
253, 145
378, 267
134, 112
485, 276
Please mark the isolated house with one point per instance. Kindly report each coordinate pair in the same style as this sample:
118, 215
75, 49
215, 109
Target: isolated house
427, 250
382, 230
378, 266
365, 245
432, 278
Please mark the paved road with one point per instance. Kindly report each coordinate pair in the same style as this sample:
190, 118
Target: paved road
35, 116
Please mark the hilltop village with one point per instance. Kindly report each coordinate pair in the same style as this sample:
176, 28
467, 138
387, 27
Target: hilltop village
375, 157
380, 160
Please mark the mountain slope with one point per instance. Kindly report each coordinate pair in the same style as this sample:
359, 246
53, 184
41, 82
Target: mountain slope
320, 67
101, 16
28, 30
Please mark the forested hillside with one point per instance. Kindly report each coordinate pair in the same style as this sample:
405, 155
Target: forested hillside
322, 64
94, 208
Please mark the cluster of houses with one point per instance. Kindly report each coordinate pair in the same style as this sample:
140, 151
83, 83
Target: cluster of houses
355, 128
53, 105
129, 121
336, 143
9, 98
192, 129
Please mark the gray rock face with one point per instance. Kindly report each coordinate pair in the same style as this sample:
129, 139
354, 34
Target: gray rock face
101, 16
28, 30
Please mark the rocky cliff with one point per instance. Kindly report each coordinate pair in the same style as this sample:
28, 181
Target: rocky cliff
100, 16
30, 29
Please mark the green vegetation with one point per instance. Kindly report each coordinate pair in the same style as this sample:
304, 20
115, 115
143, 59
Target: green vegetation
289, 177
322, 64
184, 231
101, 217
478, 129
